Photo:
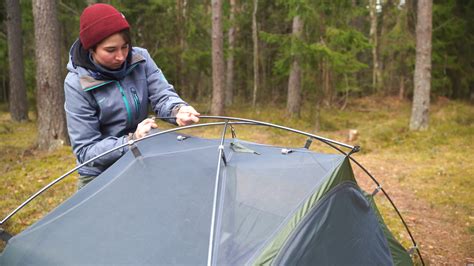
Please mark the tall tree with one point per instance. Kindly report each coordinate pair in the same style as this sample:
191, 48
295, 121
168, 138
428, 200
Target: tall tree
293, 104
376, 74
397, 48
229, 88
18, 103
422, 78
49, 90
181, 6
217, 107
255, 52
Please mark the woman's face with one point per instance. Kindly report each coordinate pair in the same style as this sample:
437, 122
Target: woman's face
111, 52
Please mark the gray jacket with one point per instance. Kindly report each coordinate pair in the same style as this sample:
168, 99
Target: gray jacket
101, 113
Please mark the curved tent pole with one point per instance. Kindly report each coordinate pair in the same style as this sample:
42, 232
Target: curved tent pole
39, 192
331, 143
239, 121
394, 207
56, 181
327, 141
387, 196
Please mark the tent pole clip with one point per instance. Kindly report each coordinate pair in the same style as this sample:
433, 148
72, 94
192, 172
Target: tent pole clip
412, 250
377, 189
308, 143
354, 150
136, 152
221, 149
232, 129
181, 138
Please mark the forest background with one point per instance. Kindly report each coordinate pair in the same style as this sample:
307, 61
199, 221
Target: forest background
327, 65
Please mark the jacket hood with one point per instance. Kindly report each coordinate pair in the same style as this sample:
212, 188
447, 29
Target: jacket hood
78, 56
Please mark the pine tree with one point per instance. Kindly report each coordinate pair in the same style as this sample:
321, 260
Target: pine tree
422, 78
18, 104
217, 107
50, 93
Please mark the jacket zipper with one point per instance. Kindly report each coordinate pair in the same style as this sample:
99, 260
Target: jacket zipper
137, 102
124, 97
127, 106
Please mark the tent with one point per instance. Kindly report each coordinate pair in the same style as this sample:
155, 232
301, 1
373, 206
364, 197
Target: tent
179, 199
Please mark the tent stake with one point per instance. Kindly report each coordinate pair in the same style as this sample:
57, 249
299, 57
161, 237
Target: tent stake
308, 143
4, 235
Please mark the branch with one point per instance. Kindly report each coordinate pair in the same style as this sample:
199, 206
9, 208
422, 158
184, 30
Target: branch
70, 9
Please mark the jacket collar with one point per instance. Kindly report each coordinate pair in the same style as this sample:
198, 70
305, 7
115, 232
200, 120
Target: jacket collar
90, 78
89, 81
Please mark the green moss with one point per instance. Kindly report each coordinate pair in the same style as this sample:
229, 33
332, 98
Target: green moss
26, 170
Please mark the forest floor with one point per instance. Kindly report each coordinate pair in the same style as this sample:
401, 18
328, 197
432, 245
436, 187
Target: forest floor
429, 175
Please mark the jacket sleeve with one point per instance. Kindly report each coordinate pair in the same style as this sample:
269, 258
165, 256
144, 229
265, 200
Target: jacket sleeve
163, 97
84, 128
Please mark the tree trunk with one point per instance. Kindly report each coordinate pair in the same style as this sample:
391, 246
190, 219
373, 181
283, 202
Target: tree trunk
376, 75
401, 89
181, 78
386, 63
326, 79
422, 78
255, 52
18, 103
229, 88
293, 105
217, 107
49, 90
4, 85
316, 110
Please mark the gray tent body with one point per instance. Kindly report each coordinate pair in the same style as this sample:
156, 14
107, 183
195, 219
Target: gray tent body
273, 208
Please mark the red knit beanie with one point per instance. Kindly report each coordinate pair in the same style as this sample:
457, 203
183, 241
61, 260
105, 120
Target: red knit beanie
98, 22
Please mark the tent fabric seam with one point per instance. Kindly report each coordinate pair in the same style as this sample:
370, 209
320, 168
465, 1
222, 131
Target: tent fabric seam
292, 220
291, 216
306, 218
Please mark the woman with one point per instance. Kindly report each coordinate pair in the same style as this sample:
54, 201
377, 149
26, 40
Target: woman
108, 90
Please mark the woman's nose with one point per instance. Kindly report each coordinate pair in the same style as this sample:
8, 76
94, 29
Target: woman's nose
120, 55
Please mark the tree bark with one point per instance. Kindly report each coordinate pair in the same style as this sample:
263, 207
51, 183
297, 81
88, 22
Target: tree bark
255, 53
376, 74
229, 88
401, 88
293, 105
18, 104
49, 90
181, 75
386, 63
217, 107
422, 77
326, 80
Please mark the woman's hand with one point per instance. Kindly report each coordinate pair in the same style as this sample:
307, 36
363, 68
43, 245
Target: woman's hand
187, 115
144, 128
